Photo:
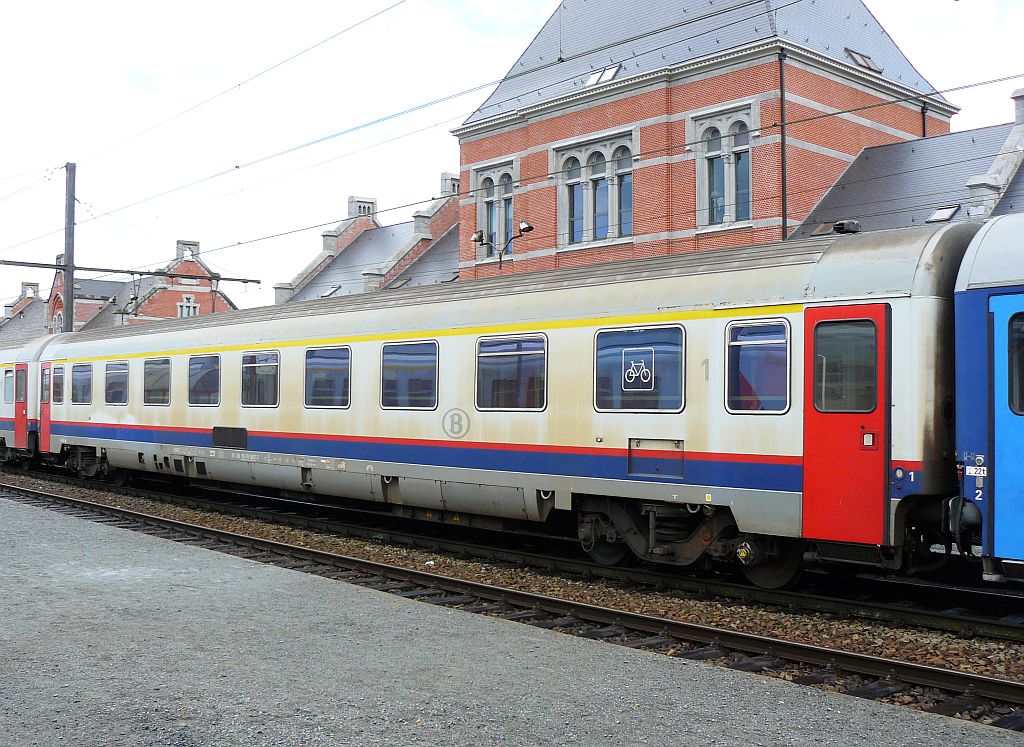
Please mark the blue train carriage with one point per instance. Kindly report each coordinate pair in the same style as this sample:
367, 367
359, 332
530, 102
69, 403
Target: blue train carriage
989, 302
19, 397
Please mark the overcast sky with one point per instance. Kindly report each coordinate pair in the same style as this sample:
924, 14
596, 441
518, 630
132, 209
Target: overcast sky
82, 81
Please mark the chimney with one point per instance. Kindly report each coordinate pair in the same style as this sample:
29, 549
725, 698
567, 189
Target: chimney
283, 292
449, 184
362, 207
191, 246
372, 279
987, 189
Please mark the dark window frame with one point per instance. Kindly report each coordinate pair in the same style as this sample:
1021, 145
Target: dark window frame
509, 338
145, 388
788, 339
305, 380
1012, 356
437, 374
640, 328
277, 378
106, 380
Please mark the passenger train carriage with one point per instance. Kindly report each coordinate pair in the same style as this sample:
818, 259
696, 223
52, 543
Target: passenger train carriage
751, 405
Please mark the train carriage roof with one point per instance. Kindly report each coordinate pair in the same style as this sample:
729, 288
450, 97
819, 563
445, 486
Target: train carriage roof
995, 257
920, 261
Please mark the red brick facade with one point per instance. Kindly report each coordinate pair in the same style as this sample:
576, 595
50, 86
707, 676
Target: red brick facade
829, 121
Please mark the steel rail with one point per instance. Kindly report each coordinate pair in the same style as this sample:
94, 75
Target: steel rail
907, 672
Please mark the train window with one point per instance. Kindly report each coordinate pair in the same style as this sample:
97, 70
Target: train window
639, 370
510, 373
845, 366
327, 377
204, 380
758, 367
58, 385
9, 385
44, 386
409, 376
259, 379
81, 384
156, 382
21, 385
1016, 387
115, 389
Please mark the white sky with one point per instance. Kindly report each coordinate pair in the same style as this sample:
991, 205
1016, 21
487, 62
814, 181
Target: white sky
81, 78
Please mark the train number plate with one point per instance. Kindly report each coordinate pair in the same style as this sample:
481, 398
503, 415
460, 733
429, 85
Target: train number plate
976, 471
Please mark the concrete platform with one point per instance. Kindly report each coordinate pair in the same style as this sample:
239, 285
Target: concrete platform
108, 637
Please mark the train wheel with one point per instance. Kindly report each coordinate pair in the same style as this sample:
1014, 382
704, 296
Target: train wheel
781, 571
608, 553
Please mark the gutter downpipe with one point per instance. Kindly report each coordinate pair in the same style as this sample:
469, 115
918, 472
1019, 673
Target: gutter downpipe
782, 136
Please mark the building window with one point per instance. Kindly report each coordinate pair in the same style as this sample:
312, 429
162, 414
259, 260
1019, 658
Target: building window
757, 367
156, 382
495, 209
596, 200
259, 379
723, 168
81, 384
58, 385
510, 373
58, 323
409, 376
639, 370
115, 385
327, 377
204, 380
188, 307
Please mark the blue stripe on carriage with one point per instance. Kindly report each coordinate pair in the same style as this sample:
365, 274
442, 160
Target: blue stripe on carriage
724, 472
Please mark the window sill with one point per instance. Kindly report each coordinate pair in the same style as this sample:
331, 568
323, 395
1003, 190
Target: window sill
494, 260
720, 227
601, 244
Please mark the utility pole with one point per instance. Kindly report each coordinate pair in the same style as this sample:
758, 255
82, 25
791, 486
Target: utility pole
69, 249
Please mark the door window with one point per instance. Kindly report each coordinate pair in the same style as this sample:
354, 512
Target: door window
21, 385
44, 386
1016, 360
845, 366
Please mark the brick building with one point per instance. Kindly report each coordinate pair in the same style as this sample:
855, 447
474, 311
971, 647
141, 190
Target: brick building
621, 134
109, 303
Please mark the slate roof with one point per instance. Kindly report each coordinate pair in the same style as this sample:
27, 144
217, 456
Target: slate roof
1012, 200
587, 35
901, 184
29, 322
86, 288
370, 251
438, 264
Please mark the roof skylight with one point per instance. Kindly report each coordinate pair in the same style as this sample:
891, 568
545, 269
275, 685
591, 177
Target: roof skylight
864, 61
943, 214
603, 76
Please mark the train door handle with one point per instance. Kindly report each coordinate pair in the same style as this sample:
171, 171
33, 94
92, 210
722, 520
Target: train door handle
868, 440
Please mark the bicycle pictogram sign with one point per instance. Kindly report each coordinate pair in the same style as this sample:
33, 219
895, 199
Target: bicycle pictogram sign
637, 369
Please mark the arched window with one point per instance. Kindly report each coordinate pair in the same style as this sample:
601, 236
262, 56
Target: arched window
598, 168
715, 165
58, 323
741, 168
724, 153
624, 174
506, 208
574, 199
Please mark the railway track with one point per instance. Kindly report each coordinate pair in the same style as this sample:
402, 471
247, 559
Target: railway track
970, 611
875, 677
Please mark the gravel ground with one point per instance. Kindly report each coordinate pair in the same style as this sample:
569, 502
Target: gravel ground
979, 655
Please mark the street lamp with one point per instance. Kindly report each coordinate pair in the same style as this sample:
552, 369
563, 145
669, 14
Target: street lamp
478, 238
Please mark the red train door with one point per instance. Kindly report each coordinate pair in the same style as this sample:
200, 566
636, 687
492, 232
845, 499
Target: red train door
20, 405
846, 423
44, 408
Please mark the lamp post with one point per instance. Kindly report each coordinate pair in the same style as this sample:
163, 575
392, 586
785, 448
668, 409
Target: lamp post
478, 238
